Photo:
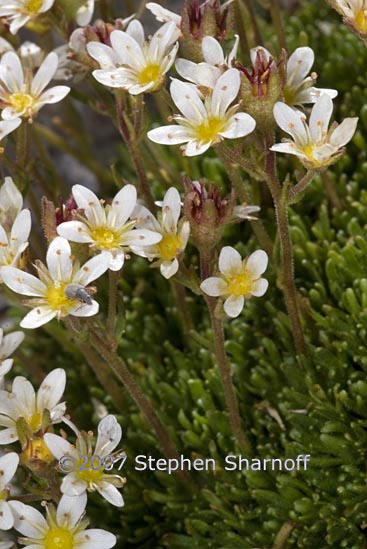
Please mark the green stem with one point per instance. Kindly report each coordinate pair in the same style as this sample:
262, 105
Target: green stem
255, 26
238, 184
293, 194
289, 287
122, 372
283, 535
235, 157
182, 306
276, 17
224, 366
113, 279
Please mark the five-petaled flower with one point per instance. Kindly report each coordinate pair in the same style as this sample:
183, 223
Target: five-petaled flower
86, 477
19, 12
314, 143
174, 233
50, 291
132, 63
205, 123
239, 279
21, 96
354, 13
37, 410
63, 527
108, 228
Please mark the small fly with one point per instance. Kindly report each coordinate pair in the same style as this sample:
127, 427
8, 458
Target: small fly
83, 294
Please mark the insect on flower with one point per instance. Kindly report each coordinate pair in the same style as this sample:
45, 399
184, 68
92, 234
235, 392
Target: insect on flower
77, 291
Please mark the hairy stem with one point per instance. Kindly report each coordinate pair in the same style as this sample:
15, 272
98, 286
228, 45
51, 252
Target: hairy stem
289, 287
113, 279
255, 26
275, 12
293, 194
224, 366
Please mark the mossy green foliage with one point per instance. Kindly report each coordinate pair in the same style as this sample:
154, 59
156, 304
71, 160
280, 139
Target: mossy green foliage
319, 408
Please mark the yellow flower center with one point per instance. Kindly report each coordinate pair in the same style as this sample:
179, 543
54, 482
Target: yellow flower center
209, 130
57, 300
33, 6
169, 246
289, 96
3, 495
86, 472
239, 285
34, 421
59, 538
150, 73
20, 101
308, 151
360, 19
37, 449
106, 238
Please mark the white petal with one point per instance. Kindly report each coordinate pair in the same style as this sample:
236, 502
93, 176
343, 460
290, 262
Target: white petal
299, 65
58, 260
344, 132
234, 305
92, 269
263, 52
53, 95
320, 117
76, 231
51, 390
44, 74
25, 396
95, 539
171, 209
136, 31
256, 264
212, 51
162, 42
8, 466
311, 95
7, 436
259, 288
122, 206
187, 100
170, 135
89, 202
27, 520
109, 435
194, 148
58, 446
239, 125
22, 226
169, 268
127, 49
141, 237
85, 310
230, 261
72, 485
6, 516
214, 286
70, 509
10, 197
162, 14
105, 55
225, 91
38, 317
8, 126
9, 343
290, 121
85, 13
287, 148
117, 261
11, 72
110, 493
5, 367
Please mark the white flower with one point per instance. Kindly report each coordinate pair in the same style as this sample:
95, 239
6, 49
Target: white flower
133, 64
243, 211
162, 14
91, 480
34, 408
63, 528
8, 344
8, 466
85, 13
239, 279
354, 13
299, 88
8, 126
314, 143
51, 288
215, 63
203, 124
11, 203
19, 12
174, 234
107, 228
21, 96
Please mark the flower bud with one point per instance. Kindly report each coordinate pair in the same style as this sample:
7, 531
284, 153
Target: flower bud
261, 86
207, 212
208, 19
